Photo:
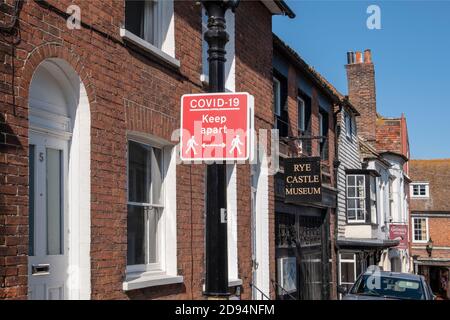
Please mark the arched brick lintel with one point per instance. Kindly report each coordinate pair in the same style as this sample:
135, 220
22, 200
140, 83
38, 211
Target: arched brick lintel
54, 50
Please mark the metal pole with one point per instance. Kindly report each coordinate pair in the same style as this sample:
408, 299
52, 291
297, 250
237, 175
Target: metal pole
216, 282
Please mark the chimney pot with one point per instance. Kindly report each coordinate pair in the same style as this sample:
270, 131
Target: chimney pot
359, 57
367, 56
350, 57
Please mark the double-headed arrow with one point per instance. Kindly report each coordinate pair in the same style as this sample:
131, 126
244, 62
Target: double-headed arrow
222, 145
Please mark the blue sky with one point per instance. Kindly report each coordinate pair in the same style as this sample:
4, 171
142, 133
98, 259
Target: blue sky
411, 53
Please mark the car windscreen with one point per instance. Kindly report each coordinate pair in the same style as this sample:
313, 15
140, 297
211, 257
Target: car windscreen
389, 287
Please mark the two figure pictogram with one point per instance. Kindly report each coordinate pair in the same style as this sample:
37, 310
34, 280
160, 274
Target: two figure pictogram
235, 145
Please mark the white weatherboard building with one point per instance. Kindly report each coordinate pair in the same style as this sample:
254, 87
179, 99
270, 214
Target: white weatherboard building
398, 259
364, 187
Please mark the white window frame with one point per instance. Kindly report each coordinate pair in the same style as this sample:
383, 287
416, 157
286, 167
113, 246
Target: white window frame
374, 198
414, 230
391, 197
301, 120
164, 33
165, 271
364, 198
153, 20
348, 125
354, 261
277, 97
419, 184
159, 254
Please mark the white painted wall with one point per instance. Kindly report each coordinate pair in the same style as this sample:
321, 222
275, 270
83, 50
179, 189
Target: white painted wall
358, 231
400, 209
80, 201
170, 212
260, 183
232, 223
381, 231
167, 26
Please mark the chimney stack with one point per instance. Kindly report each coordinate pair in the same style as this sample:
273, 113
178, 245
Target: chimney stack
357, 57
361, 93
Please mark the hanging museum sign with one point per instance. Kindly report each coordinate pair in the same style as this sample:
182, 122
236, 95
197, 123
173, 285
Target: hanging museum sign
302, 180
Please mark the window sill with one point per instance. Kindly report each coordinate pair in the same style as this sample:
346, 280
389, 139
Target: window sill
148, 47
204, 79
150, 280
231, 283
234, 282
361, 223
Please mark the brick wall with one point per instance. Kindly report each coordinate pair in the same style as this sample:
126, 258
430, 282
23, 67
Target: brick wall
254, 74
439, 232
127, 90
388, 134
437, 173
294, 73
361, 92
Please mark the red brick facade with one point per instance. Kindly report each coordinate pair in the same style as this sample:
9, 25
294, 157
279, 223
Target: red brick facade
320, 90
127, 90
254, 74
435, 207
362, 94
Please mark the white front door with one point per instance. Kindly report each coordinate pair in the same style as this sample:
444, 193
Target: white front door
47, 262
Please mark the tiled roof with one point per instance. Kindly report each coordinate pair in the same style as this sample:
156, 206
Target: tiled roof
366, 150
388, 135
437, 173
285, 8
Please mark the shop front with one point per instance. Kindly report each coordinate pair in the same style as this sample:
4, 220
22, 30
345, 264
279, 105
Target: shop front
437, 273
355, 256
302, 248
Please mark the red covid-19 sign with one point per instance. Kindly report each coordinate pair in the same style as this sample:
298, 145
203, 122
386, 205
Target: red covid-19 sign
216, 126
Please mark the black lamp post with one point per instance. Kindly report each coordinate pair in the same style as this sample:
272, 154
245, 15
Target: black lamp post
216, 279
429, 247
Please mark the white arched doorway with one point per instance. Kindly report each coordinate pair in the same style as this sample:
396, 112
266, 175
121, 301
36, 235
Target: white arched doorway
59, 141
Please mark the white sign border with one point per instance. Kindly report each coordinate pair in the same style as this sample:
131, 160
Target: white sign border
249, 135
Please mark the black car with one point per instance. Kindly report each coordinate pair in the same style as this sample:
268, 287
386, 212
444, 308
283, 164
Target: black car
384, 285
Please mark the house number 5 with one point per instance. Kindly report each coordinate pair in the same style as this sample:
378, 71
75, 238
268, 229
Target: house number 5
41, 156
